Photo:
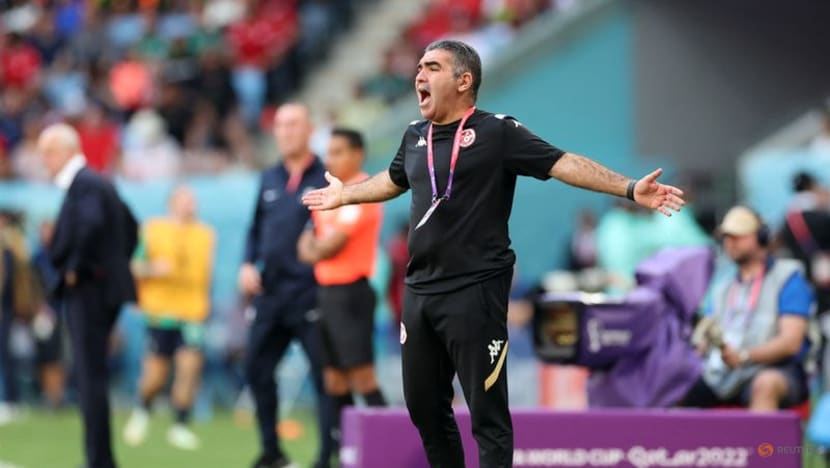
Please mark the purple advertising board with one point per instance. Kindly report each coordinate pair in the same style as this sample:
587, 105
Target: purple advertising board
385, 438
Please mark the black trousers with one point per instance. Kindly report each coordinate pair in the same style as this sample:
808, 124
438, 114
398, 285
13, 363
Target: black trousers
8, 367
268, 339
463, 332
90, 322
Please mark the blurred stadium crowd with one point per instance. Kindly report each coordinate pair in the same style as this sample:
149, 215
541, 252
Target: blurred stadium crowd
164, 88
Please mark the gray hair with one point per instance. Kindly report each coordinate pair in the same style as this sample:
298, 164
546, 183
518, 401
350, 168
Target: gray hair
465, 58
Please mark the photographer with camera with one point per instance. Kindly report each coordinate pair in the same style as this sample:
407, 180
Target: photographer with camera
755, 336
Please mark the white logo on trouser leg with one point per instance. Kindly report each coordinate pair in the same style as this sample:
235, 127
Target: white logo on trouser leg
494, 347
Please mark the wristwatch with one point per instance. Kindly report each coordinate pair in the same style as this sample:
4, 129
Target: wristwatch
743, 356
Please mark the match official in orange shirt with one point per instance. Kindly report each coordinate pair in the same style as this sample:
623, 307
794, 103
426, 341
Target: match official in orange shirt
343, 247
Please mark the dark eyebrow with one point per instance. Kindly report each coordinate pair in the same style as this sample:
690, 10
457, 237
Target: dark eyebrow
429, 64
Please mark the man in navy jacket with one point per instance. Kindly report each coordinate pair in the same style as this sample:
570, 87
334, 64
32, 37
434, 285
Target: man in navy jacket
95, 236
283, 289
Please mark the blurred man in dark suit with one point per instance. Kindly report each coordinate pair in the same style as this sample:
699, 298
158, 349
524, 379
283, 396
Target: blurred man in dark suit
94, 237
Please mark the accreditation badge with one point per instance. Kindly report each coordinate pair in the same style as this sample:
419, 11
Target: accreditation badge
429, 212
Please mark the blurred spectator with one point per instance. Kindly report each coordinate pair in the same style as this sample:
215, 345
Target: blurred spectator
152, 47
98, 91
65, 85
17, 300
240, 143
806, 236
21, 16
26, 160
45, 39
14, 106
124, 28
177, 21
20, 63
517, 12
435, 22
396, 76
181, 66
204, 148
206, 38
486, 39
5, 160
149, 151
99, 139
808, 194
221, 13
130, 83
363, 112
757, 338
8, 368
259, 42
317, 28
69, 16
175, 106
582, 248
214, 80
86, 45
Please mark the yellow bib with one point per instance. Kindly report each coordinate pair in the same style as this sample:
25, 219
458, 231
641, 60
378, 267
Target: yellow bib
184, 294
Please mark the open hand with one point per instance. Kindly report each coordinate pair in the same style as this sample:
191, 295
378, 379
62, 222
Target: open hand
327, 198
656, 196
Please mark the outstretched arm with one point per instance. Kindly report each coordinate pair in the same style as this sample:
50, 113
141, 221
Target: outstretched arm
583, 172
375, 189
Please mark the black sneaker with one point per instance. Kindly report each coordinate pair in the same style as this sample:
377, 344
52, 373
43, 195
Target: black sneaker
268, 461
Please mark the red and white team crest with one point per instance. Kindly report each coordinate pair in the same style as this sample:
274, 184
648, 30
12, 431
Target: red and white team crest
468, 137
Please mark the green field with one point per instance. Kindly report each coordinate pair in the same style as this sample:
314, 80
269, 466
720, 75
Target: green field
53, 440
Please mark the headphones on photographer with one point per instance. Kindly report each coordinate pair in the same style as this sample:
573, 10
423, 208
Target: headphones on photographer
763, 233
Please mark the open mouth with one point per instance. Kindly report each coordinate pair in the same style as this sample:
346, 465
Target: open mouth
423, 96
